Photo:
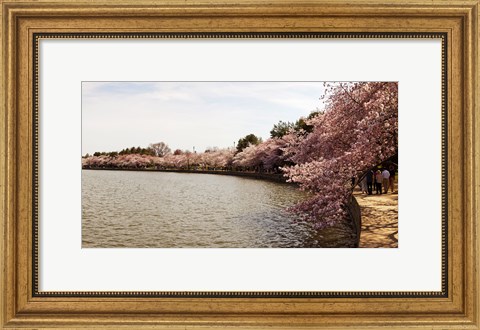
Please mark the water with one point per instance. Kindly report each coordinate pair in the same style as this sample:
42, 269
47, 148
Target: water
182, 210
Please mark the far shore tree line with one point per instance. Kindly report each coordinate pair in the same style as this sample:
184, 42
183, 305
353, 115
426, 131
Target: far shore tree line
356, 132
251, 154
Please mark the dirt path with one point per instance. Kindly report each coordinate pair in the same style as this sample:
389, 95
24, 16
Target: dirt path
379, 220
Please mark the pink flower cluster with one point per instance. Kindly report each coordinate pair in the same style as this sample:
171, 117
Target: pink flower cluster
357, 131
267, 155
216, 159
121, 161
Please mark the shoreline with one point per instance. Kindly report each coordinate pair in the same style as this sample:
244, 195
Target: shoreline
253, 175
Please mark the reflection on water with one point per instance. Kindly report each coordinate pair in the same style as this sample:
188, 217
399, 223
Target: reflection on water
173, 210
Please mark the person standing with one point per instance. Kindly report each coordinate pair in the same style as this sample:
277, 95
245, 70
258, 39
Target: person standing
392, 177
385, 180
363, 185
369, 177
378, 182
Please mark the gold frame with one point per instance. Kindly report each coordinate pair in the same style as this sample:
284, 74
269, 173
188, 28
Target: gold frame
22, 21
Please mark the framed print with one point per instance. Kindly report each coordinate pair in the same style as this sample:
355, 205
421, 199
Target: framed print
291, 164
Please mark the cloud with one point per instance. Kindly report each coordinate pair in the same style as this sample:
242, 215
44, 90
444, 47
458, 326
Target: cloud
116, 115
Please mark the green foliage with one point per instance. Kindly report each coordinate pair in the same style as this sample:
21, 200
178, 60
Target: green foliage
281, 129
137, 150
127, 151
301, 124
247, 140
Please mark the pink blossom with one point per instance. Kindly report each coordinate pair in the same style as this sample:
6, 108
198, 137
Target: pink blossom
357, 131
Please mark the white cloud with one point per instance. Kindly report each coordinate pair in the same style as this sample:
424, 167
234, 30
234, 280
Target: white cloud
116, 115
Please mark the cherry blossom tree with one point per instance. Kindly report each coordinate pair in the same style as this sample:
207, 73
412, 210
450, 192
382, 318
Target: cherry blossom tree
267, 155
223, 158
357, 131
248, 158
271, 153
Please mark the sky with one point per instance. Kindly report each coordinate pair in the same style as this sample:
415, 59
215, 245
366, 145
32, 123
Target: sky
184, 115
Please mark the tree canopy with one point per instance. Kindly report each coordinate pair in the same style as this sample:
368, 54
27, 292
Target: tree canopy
250, 139
160, 149
281, 129
358, 131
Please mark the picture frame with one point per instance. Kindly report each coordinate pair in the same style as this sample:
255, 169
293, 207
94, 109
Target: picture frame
457, 306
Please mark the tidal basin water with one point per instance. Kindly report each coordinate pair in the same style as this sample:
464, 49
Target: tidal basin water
187, 210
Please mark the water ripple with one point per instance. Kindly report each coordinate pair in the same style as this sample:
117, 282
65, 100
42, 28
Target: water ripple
179, 210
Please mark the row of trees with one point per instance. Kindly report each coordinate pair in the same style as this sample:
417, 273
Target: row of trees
357, 131
262, 156
220, 159
156, 149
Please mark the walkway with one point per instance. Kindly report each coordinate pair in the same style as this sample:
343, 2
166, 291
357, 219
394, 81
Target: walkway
379, 220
